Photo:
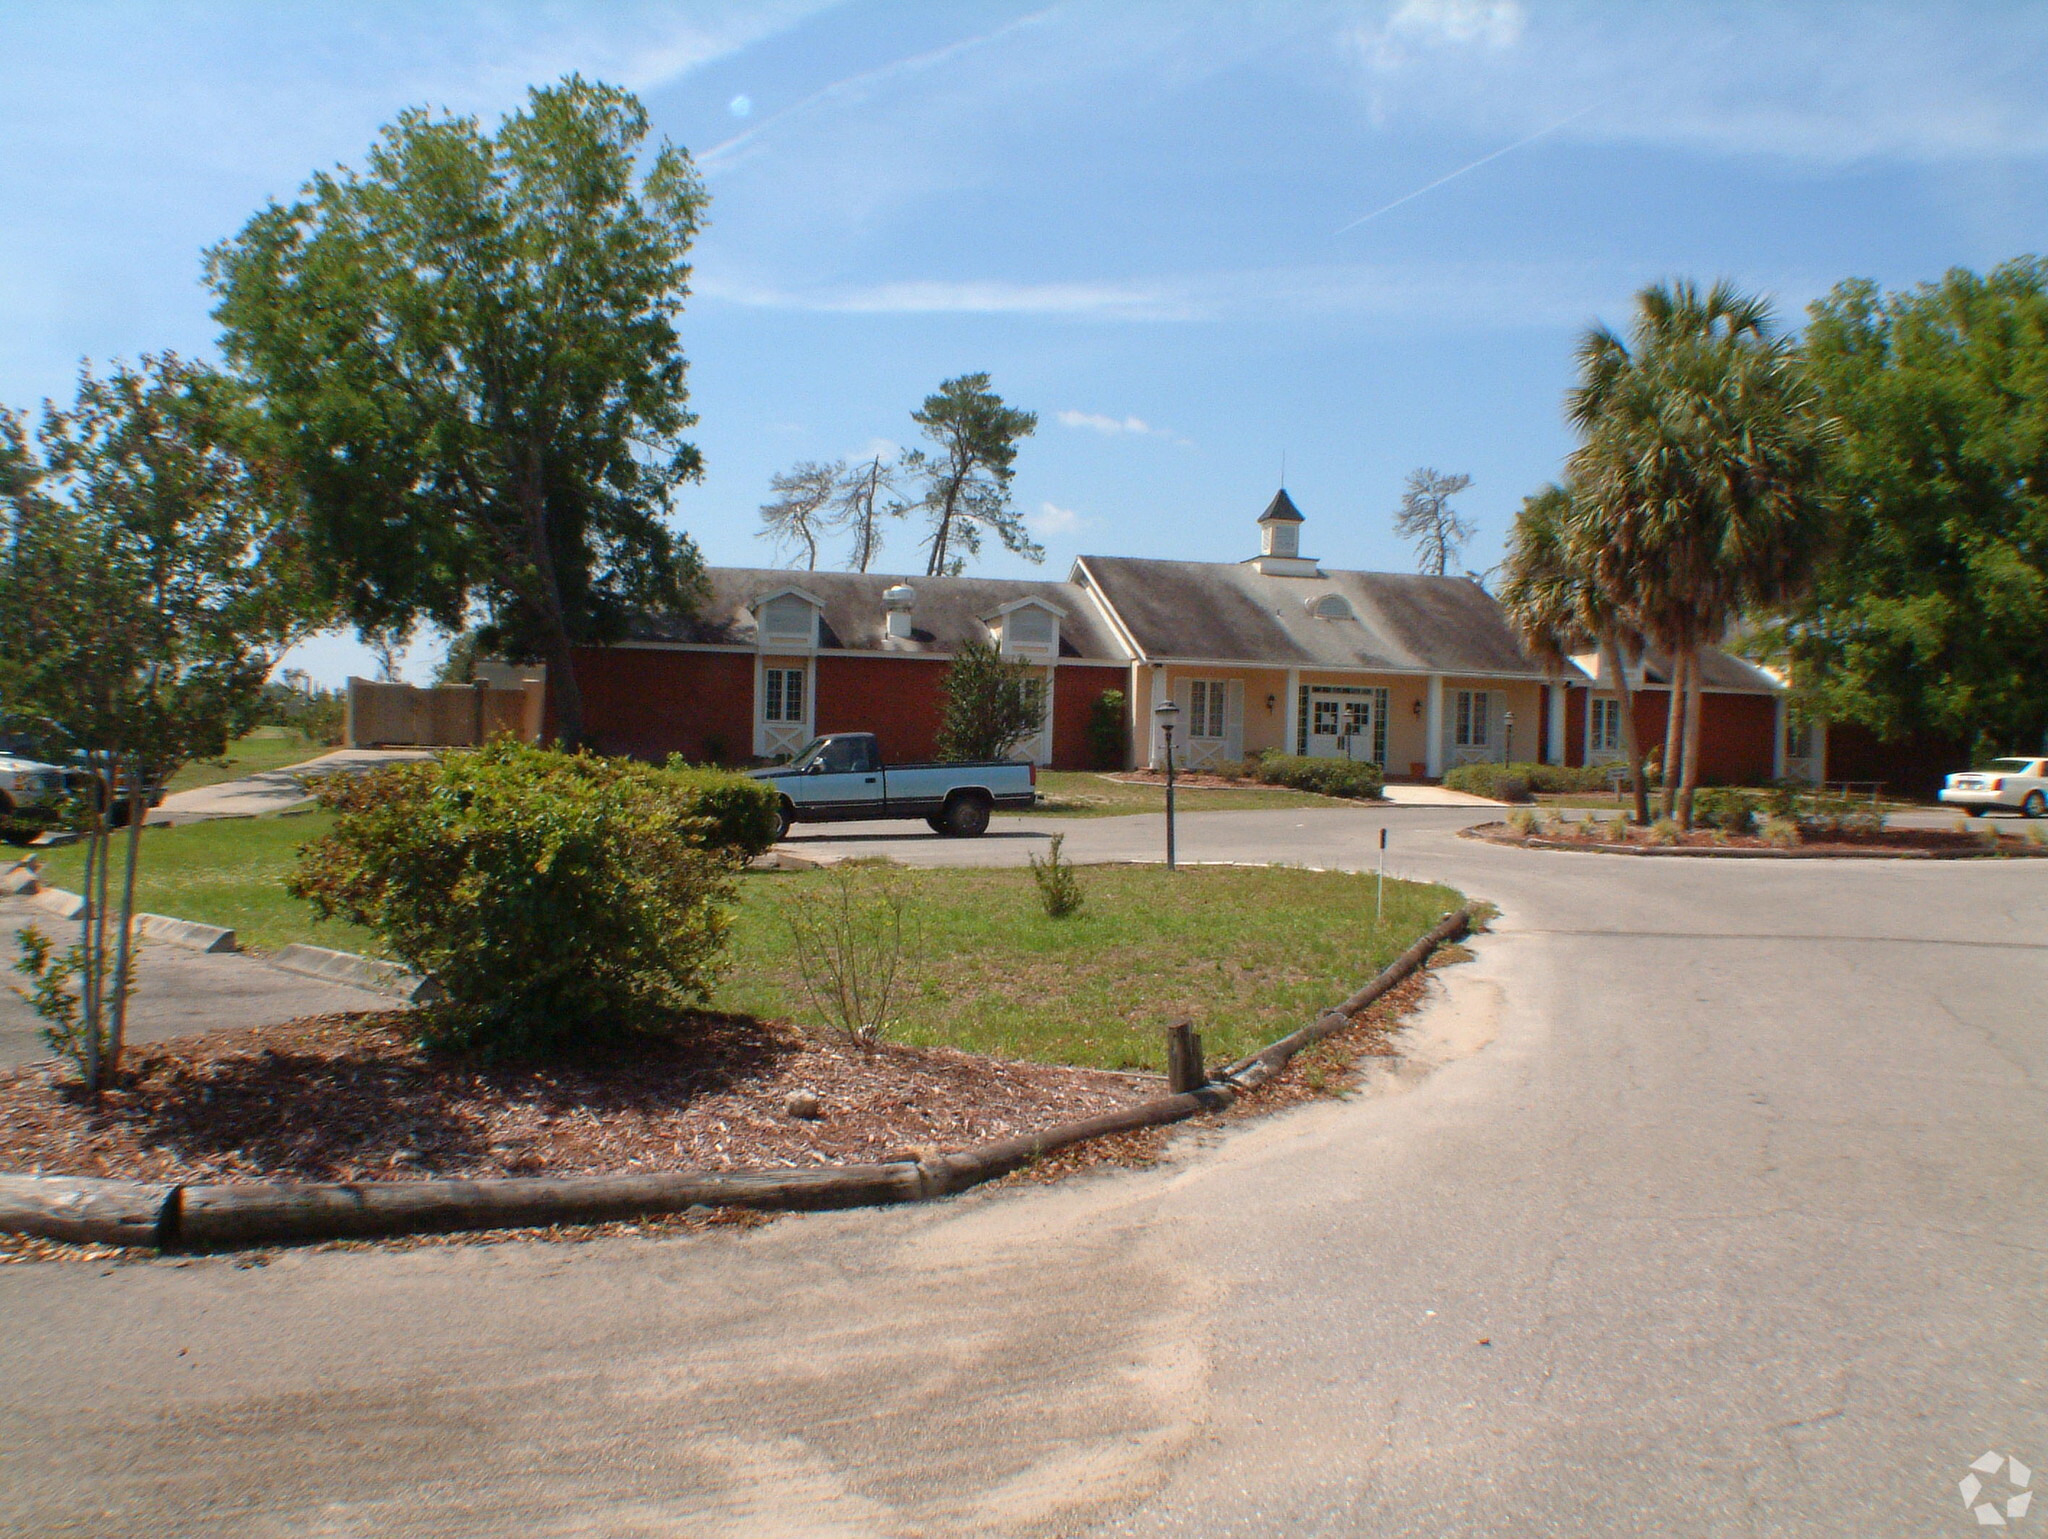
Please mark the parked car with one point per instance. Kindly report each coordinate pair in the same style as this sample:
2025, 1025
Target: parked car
841, 778
2017, 785
28, 784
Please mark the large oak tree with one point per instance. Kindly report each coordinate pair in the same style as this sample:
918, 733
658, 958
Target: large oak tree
467, 353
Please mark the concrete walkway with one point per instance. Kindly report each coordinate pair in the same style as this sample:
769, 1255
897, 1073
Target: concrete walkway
178, 993
1708, 1204
280, 789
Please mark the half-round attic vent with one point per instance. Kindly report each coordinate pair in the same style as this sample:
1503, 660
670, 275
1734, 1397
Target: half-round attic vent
1330, 607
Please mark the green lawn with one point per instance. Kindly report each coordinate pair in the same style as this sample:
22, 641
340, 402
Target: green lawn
229, 871
266, 748
1246, 954
1067, 793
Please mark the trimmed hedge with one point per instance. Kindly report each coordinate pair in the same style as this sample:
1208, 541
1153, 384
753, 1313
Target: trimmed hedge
1515, 782
1327, 777
557, 898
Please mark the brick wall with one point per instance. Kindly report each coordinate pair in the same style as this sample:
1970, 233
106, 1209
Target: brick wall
1075, 692
650, 703
896, 698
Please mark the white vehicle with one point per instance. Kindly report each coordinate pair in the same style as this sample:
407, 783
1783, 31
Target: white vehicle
2017, 785
28, 783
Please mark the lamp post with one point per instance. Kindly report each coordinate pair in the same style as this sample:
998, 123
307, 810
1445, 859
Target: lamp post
1164, 713
1507, 720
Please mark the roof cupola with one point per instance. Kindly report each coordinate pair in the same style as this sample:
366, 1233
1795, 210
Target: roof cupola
1280, 540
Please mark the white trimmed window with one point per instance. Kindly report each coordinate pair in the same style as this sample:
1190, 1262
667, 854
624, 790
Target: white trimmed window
782, 694
1206, 715
1473, 724
789, 618
1603, 731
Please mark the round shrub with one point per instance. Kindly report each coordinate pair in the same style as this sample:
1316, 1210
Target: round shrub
1725, 808
1498, 782
556, 898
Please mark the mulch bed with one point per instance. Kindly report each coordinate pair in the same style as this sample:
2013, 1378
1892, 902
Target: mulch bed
1191, 780
1891, 841
351, 1098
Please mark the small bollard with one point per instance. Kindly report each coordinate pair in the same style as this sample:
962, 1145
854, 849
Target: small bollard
1184, 1059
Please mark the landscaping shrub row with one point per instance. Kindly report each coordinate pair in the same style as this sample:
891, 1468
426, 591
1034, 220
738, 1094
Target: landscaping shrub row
1517, 782
1327, 777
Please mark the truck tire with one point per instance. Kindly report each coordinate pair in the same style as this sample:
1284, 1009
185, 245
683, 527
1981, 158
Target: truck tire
936, 825
966, 815
785, 816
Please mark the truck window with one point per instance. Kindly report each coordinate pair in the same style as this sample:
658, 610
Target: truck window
847, 755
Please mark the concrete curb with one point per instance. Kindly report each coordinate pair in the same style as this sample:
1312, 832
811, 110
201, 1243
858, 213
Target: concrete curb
359, 972
1479, 831
19, 879
201, 1217
188, 933
65, 905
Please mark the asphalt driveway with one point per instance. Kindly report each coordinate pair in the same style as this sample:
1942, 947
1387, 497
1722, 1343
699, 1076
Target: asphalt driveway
1720, 1213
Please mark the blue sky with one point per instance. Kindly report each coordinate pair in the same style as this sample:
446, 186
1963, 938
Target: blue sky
1194, 239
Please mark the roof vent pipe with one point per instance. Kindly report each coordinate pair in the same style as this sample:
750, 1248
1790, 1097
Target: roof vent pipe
899, 601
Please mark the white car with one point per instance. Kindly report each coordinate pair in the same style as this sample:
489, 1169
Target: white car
2017, 785
27, 783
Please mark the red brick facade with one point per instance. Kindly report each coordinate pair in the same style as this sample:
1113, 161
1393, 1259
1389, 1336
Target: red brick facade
1738, 733
650, 702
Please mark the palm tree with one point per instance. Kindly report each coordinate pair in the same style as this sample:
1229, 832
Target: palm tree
1550, 592
1695, 487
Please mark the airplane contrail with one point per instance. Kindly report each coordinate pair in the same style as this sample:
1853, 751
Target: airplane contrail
1474, 166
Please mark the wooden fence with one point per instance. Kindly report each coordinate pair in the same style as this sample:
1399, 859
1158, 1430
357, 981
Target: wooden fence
445, 716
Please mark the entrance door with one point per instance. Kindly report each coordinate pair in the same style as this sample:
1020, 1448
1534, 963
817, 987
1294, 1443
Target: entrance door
1340, 726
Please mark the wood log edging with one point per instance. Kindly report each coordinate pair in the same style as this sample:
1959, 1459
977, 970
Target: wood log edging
202, 1217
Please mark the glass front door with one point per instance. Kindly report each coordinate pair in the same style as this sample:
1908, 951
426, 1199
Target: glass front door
1340, 726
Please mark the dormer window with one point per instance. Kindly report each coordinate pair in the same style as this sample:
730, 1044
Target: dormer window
1331, 606
1026, 628
787, 620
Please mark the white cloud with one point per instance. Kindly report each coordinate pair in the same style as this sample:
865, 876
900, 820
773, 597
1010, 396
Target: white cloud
1051, 519
1102, 424
741, 106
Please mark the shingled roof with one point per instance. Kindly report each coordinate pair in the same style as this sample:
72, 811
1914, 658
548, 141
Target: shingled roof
947, 611
1397, 623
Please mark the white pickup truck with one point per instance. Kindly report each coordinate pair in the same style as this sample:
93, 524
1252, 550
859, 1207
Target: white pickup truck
841, 778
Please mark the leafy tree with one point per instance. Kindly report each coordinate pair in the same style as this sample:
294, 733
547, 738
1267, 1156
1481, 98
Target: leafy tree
991, 704
1426, 517
965, 480
467, 351
1551, 591
149, 579
1932, 613
458, 663
1697, 487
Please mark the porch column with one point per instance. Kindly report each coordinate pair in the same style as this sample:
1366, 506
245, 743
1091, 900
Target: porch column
1433, 724
1291, 715
1559, 695
1778, 738
1155, 691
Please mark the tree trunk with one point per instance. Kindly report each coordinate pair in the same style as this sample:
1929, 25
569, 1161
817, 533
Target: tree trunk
117, 1027
1631, 742
1674, 718
89, 936
1691, 780
562, 686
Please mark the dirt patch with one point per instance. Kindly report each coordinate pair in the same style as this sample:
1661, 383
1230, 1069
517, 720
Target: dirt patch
1908, 843
352, 1098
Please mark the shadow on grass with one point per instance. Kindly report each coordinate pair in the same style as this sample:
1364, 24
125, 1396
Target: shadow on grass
372, 1098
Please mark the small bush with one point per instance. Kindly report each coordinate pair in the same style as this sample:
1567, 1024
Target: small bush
1108, 740
1730, 811
1664, 831
1356, 778
555, 897
850, 936
1782, 833
1522, 821
1617, 829
1059, 889
740, 814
